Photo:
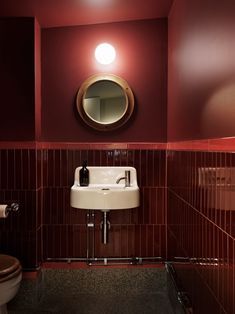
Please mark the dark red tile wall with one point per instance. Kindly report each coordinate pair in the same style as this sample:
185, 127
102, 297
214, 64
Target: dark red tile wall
134, 232
20, 181
47, 227
200, 232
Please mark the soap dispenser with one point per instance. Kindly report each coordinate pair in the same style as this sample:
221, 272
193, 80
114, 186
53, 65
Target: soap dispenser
84, 175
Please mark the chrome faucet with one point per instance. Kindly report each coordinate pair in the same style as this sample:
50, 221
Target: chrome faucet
127, 178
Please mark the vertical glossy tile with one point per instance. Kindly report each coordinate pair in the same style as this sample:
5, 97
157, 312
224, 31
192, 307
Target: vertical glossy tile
155, 206
70, 166
39, 168
157, 241
79, 241
131, 159
144, 168
50, 168
137, 240
131, 241
39, 247
11, 169
124, 241
18, 169
57, 168
26, 168
161, 206
137, 164
4, 169
32, 169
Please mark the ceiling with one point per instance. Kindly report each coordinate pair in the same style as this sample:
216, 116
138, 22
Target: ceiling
56, 13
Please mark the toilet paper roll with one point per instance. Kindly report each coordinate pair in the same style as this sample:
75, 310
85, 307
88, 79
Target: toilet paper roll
3, 211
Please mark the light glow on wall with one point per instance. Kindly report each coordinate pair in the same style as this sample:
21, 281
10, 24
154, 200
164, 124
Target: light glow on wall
105, 53
219, 111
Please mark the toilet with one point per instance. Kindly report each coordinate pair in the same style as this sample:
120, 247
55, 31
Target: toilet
10, 278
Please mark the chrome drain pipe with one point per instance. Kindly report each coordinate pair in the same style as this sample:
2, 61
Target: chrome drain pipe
105, 226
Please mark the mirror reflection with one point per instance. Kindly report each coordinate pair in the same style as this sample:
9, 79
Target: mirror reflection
105, 102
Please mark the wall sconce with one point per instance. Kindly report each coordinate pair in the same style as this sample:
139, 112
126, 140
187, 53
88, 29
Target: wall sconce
105, 53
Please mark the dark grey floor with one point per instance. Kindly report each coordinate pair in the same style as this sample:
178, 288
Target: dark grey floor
94, 290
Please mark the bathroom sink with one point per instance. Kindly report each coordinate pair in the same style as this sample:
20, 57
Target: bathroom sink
103, 193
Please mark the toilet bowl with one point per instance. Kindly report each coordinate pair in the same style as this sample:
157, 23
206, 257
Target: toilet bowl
10, 278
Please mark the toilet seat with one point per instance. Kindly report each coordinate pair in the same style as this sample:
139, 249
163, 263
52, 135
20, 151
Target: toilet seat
9, 267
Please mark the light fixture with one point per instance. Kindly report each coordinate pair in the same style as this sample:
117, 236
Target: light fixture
105, 53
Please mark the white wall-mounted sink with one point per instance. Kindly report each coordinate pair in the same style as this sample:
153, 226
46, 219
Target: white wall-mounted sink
103, 193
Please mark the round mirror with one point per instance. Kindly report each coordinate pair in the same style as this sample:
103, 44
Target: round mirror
105, 102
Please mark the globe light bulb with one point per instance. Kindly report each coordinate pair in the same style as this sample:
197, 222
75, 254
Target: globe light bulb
105, 53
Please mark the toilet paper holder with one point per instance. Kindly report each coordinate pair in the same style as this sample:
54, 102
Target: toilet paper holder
13, 207
5, 209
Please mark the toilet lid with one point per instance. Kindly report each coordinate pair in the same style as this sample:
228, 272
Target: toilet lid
8, 264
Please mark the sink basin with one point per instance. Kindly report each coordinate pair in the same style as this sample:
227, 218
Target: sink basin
103, 193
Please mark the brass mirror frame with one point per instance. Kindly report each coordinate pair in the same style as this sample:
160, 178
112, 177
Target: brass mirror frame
126, 90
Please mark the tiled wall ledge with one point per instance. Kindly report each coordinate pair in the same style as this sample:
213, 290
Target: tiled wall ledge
226, 144
82, 146
101, 146
17, 145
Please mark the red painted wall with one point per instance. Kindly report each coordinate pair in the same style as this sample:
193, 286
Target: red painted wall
38, 100
201, 88
17, 79
68, 59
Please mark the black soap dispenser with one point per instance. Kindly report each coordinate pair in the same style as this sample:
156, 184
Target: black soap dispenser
84, 175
